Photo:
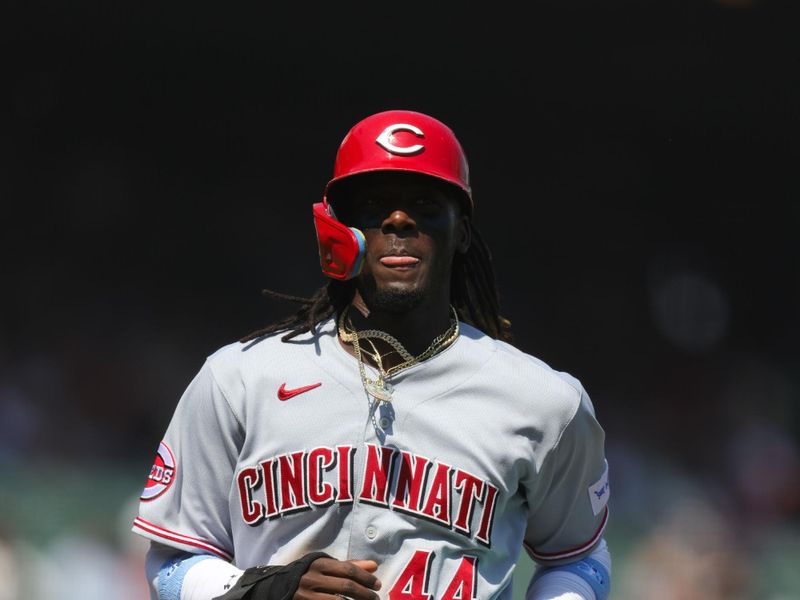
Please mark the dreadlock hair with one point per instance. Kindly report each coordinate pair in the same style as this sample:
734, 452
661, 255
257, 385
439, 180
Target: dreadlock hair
473, 293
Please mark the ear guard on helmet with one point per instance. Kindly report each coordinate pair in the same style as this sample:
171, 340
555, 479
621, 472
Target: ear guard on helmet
341, 248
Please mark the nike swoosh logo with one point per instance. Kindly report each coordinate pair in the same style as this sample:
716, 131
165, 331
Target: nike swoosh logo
284, 394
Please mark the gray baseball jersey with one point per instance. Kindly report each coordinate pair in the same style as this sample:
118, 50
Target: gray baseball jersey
275, 451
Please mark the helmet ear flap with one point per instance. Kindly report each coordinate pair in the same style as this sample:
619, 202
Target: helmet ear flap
341, 248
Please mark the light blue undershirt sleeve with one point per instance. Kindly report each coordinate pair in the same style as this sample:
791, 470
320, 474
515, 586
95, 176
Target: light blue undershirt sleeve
172, 573
590, 570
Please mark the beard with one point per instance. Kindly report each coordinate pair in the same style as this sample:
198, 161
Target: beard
391, 301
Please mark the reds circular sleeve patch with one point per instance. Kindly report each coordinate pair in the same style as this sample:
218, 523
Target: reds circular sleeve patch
161, 475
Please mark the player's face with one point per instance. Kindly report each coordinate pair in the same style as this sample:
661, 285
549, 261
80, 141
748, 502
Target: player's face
412, 229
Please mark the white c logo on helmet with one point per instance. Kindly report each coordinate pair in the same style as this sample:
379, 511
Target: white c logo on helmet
384, 139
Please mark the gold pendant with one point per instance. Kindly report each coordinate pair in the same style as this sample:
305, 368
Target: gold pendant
380, 390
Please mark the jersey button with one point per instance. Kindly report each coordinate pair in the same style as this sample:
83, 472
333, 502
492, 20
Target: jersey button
371, 532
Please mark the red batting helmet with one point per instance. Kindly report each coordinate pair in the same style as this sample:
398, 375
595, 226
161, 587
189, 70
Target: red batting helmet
395, 140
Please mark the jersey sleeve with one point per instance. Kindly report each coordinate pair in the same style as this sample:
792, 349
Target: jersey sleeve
568, 497
185, 501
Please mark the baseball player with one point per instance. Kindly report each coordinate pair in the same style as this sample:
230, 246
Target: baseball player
386, 441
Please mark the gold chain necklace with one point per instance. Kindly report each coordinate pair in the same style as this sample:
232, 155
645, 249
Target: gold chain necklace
380, 388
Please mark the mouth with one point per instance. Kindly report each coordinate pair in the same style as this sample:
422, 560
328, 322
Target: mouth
394, 261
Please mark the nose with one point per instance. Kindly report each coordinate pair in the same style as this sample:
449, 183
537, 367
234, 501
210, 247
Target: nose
398, 221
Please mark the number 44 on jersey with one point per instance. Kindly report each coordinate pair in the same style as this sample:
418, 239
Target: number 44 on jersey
412, 584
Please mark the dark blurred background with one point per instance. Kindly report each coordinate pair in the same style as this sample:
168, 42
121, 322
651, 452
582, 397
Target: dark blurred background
634, 168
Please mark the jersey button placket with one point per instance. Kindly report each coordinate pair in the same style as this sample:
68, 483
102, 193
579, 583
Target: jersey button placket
361, 514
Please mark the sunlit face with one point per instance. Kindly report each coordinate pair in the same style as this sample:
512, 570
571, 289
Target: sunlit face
413, 228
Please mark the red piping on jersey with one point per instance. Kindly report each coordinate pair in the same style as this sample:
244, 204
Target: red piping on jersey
544, 556
173, 536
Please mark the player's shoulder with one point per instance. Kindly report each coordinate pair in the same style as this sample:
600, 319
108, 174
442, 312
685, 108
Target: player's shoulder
238, 352
234, 361
524, 371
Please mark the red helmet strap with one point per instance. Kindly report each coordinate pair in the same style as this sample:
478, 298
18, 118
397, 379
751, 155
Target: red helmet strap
341, 248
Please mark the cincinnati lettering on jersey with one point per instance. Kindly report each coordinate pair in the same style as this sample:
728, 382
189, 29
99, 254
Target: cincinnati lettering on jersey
393, 479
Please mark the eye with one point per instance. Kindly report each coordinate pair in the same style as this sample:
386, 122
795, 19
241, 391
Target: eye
427, 205
370, 201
